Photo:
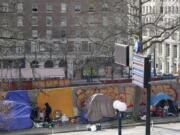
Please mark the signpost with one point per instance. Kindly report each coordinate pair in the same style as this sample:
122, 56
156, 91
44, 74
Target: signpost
141, 70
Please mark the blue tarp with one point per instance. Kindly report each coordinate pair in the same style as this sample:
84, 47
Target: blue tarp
158, 97
15, 111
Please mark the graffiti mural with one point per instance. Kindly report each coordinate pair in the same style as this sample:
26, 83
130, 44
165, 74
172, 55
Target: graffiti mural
125, 94
165, 88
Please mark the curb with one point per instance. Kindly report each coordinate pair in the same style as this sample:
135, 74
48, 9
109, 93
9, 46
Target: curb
83, 127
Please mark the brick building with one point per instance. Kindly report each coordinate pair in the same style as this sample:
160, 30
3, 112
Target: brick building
70, 34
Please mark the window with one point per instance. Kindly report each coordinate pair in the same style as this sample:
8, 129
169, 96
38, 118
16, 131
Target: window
150, 9
34, 21
91, 8
49, 34
153, 9
105, 7
63, 33
167, 50
161, 9
175, 51
34, 33
34, 64
90, 47
49, 7
4, 22
49, 64
19, 49
174, 68
63, 21
19, 21
172, 9
34, 8
56, 46
146, 9
20, 35
49, 21
77, 7
160, 65
42, 47
167, 67
78, 33
174, 36
62, 63
77, 46
105, 20
165, 10
20, 7
5, 7
6, 33
145, 32
63, 8
85, 46
91, 19
77, 21
169, 9
34, 47
160, 48
70, 46
143, 9
177, 9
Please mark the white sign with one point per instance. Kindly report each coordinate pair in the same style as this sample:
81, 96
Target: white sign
139, 70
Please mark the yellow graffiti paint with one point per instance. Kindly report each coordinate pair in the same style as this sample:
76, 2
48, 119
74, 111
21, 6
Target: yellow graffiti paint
58, 98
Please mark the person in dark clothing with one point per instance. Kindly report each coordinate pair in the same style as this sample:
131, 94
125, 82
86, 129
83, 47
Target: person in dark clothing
34, 113
48, 111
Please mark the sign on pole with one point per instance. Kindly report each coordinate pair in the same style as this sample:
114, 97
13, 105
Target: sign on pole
140, 70
121, 54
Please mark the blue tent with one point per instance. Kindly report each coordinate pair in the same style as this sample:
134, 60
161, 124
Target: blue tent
158, 97
15, 111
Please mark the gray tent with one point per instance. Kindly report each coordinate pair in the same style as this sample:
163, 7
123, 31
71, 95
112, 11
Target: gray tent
99, 106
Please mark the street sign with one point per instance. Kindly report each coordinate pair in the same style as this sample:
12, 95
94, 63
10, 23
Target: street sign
140, 70
121, 54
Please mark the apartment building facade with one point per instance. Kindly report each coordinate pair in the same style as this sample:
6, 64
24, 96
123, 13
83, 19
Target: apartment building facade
167, 53
57, 34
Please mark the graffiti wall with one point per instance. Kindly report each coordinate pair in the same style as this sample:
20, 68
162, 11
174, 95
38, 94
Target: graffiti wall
60, 99
70, 100
125, 92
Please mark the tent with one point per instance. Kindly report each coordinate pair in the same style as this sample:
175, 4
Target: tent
99, 106
159, 97
15, 111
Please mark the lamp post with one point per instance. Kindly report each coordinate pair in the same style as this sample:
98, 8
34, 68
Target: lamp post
120, 108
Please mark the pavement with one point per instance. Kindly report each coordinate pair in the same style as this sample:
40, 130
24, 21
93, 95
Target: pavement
158, 129
64, 128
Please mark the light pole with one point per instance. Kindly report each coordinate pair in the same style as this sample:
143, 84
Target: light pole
120, 108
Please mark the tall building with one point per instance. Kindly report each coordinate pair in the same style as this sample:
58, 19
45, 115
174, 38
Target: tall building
74, 35
167, 53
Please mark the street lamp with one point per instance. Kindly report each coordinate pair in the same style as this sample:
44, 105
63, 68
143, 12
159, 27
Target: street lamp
120, 107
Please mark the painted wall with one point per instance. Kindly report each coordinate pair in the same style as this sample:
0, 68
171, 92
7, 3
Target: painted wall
69, 100
126, 92
58, 99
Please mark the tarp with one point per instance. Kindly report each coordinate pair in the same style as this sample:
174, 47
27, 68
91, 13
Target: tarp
99, 106
15, 111
158, 97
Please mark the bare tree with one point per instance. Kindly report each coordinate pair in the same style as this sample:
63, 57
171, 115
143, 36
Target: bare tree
151, 23
145, 18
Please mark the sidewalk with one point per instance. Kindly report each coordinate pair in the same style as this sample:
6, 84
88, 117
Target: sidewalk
82, 127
